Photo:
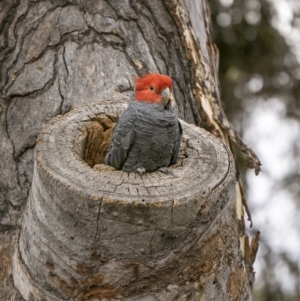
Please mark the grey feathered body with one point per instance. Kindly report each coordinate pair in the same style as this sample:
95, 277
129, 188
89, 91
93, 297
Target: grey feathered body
146, 136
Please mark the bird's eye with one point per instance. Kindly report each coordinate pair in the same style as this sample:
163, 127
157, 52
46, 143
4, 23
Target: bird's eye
151, 88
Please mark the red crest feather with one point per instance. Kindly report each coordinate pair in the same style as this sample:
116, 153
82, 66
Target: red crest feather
149, 87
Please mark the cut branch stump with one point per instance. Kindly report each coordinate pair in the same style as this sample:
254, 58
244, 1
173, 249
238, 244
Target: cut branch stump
95, 234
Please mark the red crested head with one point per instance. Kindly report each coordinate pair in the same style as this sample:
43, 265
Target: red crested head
153, 88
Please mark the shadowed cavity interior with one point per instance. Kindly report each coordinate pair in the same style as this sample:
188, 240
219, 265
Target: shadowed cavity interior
92, 143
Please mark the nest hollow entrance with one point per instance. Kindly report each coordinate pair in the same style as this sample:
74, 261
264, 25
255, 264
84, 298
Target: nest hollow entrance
95, 137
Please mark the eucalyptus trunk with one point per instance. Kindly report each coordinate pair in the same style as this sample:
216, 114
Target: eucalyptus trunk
72, 231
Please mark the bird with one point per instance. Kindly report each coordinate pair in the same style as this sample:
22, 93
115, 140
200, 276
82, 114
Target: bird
147, 136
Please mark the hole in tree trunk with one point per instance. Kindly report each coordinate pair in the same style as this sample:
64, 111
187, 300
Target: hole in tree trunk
92, 143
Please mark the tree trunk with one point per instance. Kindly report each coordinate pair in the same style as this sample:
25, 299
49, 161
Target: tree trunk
56, 55
105, 234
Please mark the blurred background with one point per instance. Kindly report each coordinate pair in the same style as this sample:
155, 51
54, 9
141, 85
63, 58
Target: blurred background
259, 43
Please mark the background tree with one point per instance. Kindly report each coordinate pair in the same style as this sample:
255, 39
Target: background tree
259, 77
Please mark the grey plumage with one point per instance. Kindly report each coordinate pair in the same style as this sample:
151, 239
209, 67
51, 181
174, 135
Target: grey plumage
146, 136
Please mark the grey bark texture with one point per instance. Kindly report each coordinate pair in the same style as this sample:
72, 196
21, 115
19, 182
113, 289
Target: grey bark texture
96, 234
56, 55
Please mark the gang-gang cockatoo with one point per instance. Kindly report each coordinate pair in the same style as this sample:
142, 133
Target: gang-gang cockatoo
147, 135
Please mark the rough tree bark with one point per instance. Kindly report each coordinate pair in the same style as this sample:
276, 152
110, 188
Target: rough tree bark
56, 55
90, 233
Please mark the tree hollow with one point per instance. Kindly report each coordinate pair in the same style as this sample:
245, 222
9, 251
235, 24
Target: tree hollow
93, 234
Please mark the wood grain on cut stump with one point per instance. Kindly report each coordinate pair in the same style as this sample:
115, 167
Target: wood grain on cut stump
94, 234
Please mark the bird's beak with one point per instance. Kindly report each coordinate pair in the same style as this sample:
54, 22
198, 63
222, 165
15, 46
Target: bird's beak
165, 96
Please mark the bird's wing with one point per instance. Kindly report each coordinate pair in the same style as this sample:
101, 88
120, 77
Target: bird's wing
121, 139
177, 146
